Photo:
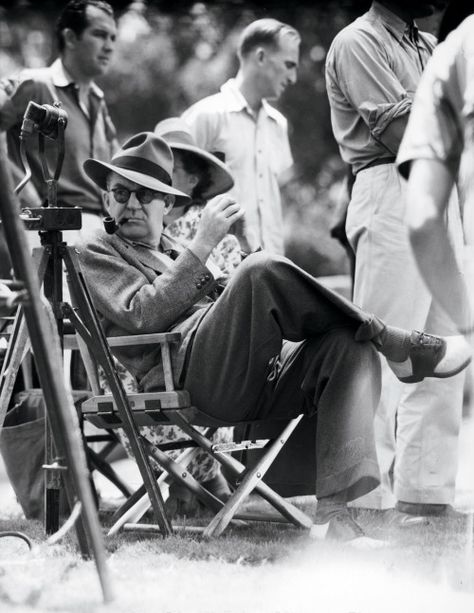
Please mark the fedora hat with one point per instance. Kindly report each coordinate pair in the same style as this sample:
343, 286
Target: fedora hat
175, 131
145, 159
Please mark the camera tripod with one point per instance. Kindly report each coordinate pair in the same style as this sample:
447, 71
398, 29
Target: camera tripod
50, 258
65, 455
61, 413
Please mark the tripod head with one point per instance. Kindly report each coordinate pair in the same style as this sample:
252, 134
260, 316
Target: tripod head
47, 121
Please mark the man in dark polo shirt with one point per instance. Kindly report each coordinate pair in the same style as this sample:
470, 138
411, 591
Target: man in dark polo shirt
86, 33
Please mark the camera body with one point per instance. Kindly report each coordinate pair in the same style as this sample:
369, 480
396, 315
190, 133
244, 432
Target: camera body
52, 218
45, 119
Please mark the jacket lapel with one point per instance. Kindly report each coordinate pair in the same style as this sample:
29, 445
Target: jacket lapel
159, 261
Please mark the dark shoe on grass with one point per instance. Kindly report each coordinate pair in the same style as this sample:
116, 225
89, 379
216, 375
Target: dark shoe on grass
424, 509
413, 515
432, 356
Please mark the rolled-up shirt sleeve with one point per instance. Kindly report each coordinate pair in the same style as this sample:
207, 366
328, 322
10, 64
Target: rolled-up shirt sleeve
14, 97
360, 70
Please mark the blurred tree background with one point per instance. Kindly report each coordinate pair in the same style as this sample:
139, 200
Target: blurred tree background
172, 53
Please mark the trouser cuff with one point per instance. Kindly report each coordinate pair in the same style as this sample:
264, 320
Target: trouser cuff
370, 330
350, 483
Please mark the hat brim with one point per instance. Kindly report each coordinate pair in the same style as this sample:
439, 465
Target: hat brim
98, 171
222, 180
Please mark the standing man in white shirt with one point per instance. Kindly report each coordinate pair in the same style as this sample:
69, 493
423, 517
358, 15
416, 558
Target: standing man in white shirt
240, 123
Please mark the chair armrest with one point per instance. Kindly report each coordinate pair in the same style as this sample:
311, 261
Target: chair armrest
70, 341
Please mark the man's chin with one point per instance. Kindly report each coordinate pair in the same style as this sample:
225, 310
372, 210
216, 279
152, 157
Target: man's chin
133, 231
101, 69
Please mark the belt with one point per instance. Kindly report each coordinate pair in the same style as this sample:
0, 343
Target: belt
378, 162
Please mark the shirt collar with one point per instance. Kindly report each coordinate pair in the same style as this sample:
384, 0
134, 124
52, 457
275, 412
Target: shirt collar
236, 101
394, 24
61, 78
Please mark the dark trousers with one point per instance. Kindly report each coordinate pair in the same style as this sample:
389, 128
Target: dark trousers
242, 367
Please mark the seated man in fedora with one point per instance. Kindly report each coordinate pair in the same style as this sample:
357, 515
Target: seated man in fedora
273, 345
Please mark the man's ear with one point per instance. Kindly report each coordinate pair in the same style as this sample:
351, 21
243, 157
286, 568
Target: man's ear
69, 37
260, 55
169, 203
105, 200
193, 180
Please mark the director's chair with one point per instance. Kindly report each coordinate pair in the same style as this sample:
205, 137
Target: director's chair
172, 406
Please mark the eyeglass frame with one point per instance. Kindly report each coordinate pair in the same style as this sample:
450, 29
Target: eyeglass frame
141, 189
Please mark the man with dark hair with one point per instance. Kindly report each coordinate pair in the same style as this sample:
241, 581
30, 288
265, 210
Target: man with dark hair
252, 134
86, 33
74, 17
372, 71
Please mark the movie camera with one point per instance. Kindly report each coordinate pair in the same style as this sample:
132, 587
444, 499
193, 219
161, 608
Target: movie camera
48, 121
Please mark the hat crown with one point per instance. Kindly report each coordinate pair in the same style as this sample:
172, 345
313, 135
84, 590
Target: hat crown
175, 130
177, 133
147, 153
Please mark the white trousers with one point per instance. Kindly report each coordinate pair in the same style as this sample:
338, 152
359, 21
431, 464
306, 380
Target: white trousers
416, 425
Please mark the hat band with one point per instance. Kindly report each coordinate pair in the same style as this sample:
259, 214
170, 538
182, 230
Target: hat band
142, 165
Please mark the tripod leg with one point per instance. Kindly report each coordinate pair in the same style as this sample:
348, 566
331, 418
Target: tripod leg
95, 336
47, 356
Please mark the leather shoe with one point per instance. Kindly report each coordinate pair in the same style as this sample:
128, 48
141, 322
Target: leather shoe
343, 527
432, 356
415, 515
426, 509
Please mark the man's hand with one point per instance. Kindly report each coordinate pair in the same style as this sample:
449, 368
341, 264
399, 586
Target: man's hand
218, 216
10, 299
239, 230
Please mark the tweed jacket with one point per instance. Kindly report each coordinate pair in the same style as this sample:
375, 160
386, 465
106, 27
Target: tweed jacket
134, 292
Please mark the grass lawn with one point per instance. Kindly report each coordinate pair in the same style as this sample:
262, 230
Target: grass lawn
256, 569
261, 568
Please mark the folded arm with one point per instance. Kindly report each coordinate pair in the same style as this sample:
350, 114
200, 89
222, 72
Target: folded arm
360, 69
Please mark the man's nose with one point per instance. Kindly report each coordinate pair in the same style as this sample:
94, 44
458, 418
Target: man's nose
292, 76
133, 203
109, 43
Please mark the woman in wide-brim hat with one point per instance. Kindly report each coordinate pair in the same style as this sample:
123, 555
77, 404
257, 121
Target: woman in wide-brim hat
201, 175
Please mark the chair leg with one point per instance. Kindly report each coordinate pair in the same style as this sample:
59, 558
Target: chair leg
105, 469
129, 503
136, 510
250, 481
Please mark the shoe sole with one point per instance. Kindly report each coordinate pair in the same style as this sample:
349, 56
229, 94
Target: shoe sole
435, 375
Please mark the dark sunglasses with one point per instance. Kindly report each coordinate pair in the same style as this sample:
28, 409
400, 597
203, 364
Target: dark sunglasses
143, 194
